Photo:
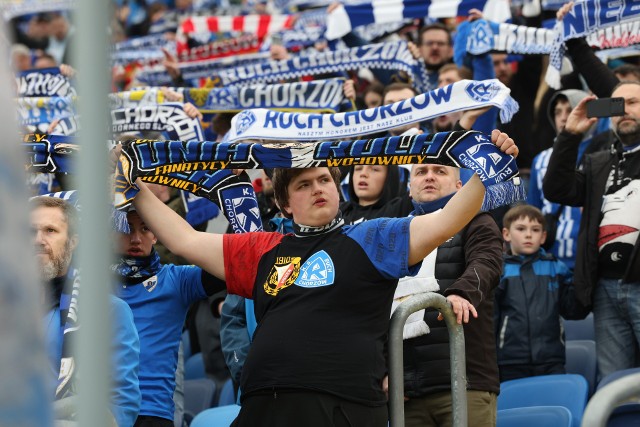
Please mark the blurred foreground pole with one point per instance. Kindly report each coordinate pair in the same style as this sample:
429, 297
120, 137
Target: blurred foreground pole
93, 80
25, 399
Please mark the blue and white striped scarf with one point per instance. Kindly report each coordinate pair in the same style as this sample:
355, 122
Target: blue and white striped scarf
463, 95
11, 9
158, 76
344, 18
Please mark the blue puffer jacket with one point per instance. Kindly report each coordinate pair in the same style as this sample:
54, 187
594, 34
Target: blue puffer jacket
534, 291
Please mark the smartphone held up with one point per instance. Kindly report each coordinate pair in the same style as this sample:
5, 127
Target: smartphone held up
605, 107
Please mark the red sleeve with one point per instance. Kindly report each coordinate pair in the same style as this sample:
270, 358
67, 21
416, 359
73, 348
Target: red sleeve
242, 253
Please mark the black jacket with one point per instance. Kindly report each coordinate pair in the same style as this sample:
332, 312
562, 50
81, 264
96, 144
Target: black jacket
469, 264
584, 187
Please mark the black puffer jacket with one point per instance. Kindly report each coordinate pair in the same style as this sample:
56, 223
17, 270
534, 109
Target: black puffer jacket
470, 265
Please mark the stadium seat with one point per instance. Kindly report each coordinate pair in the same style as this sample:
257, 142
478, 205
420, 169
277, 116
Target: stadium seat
222, 416
569, 390
581, 359
198, 396
627, 414
535, 416
227, 395
194, 367
580, 329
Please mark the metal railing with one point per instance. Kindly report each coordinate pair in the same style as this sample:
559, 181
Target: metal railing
603, 403
456, 346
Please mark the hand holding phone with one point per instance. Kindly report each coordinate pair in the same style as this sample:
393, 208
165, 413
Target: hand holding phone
605, 107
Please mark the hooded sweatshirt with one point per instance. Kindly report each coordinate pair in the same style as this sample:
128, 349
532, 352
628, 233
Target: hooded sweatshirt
394, 186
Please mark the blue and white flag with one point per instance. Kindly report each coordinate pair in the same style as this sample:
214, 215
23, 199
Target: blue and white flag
260, 124
341, 20
43, 82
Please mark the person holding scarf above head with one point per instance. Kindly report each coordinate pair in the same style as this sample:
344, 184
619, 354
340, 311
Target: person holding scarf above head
53, 224
159, 296
322, 295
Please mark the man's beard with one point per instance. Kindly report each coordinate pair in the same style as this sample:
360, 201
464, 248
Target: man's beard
630, 136
57, 265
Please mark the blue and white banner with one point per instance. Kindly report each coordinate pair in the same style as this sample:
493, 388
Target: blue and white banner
587, 16
341, 20
158, 76
136, 97
169, 118
390, 56
618, 36
156, 41
260, 124
44, 82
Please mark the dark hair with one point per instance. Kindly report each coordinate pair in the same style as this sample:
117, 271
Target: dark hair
435, 26
281, 179
399, 86
523, 211
626, 69
375, 87
69, 212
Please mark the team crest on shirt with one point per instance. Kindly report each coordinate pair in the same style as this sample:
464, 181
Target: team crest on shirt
150, 283
282, 275
317, 271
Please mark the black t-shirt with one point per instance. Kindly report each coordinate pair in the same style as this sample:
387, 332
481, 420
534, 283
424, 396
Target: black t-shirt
322, 304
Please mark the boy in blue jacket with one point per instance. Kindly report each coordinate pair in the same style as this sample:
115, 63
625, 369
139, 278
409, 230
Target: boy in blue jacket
535, 290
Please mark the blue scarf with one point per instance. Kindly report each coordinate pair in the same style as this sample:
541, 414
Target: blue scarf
185, 164
69, 326
429, 207
135, 270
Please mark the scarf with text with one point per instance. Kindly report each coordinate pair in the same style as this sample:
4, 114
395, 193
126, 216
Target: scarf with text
390, 56
241, 45
69, 325
43, 83
259, 25
459, 96
169, 118
210, 68
189, 165
302, 230
316, 95
480, 36
585, 17
344, 18
34, 111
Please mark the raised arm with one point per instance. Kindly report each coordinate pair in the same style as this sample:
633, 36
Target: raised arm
427, 232
201, 249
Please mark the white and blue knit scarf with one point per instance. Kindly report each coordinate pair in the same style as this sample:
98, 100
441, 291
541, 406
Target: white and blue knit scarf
463, 95
43, 82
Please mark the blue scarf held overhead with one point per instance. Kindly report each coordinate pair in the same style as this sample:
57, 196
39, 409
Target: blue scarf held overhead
44, 82
187, 165
261, 124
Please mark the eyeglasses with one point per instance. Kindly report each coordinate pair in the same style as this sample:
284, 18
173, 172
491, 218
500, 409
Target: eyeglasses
431, 43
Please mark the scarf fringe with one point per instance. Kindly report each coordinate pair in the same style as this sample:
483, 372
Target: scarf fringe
503, 193
509, 109
415, 329
119, 221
